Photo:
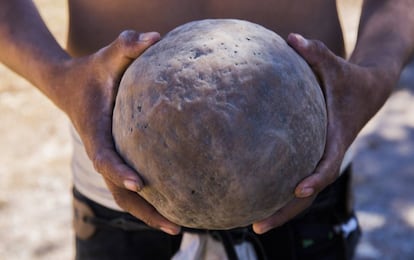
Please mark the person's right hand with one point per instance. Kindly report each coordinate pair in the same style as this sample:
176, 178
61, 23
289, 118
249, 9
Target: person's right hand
86, 91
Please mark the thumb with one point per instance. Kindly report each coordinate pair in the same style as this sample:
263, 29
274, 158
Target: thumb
315, 53
127, 47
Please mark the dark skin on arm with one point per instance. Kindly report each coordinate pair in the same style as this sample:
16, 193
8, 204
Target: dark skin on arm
89, 82
354, 90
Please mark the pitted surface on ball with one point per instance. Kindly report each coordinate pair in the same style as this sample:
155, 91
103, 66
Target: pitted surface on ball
222, 119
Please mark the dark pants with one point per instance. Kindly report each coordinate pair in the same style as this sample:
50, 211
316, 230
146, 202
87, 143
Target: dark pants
315, 234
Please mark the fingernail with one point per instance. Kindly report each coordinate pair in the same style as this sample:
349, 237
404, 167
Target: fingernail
302, 42
171, 231
144, 37
261, 229
306, 192
132, 185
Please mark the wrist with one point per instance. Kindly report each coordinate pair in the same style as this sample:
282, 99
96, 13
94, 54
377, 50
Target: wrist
382, 72
52, 78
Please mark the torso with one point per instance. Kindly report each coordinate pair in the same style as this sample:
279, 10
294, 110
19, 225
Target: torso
95, 23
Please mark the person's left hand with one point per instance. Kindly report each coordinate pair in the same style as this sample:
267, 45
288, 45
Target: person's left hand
353, 94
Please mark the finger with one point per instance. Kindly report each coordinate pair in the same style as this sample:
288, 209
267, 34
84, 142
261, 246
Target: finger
292, 209
326, 172
100, 148
313, 51
108, 163
141, 209
127, 47
316, 182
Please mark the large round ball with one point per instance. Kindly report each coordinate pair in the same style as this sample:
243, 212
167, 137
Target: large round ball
222, 119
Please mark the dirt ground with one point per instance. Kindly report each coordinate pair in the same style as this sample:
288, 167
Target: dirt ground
35, 182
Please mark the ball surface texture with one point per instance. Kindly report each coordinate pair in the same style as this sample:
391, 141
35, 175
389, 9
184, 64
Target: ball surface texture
221, 119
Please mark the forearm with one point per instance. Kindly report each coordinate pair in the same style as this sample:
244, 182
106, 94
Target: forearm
385, 35
27, 46
384, 45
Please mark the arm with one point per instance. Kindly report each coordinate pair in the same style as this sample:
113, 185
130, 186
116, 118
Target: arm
354, 90
85, 89
385, 35
27, 46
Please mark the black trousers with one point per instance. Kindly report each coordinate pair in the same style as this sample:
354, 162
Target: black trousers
314, 234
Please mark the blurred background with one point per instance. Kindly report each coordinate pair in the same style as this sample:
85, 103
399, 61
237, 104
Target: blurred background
35, 179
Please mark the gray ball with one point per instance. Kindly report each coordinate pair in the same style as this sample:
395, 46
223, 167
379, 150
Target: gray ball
222, 119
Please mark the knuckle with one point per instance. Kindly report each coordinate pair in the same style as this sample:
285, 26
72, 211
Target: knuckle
128, 38
127, 35
324, 58
129, 44
99, 162
318, 53
319, 46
